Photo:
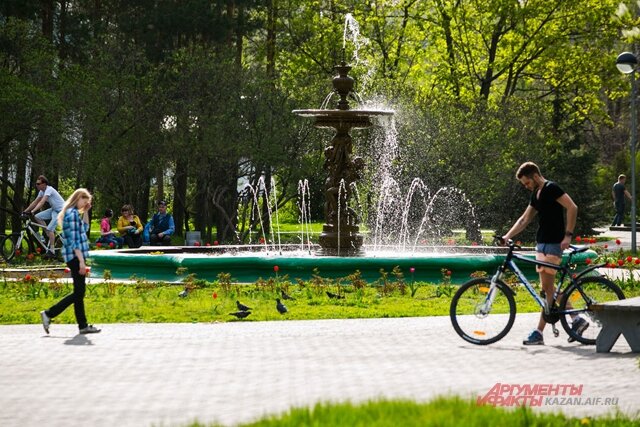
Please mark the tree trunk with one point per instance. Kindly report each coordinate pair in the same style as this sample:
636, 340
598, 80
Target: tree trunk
272, 10
18, 195
46, 11
180, 214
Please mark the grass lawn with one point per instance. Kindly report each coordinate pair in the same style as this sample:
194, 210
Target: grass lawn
441, 412
143, 301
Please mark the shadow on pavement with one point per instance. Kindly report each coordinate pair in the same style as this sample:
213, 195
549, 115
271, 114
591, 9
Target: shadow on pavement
78, 340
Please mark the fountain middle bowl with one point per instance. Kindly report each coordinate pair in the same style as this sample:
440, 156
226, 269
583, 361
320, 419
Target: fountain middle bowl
247, 264
353, 119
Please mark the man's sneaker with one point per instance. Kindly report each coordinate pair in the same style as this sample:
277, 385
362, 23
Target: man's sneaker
46, 320
534, 338
89, 330
579, 326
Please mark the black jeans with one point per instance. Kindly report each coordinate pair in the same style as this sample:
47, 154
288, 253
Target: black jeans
76, 297
155, 240
133, 240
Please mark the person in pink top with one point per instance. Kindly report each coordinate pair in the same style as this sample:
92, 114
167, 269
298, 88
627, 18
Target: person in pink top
108, 236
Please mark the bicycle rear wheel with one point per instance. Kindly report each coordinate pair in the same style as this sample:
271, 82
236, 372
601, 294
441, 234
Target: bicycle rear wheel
469, 315
8, 247
577, 300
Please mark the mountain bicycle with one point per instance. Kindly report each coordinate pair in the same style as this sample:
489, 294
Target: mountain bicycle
29, 239
483, 309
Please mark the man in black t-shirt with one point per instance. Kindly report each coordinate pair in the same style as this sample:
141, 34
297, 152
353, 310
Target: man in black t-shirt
549, 202
618, 192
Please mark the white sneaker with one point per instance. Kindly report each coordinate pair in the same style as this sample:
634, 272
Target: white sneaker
46, 321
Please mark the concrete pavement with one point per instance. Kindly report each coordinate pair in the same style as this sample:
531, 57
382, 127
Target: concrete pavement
173, 374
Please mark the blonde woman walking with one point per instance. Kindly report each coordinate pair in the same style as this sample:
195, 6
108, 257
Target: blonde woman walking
74, 218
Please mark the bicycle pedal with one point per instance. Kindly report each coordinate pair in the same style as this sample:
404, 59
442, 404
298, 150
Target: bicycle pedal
556, 332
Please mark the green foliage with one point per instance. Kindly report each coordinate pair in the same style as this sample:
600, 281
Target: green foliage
181, 100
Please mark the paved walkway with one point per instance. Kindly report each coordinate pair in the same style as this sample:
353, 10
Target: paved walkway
173, 374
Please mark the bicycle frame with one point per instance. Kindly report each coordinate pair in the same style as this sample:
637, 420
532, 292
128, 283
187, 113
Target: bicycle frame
509, 264
28, 228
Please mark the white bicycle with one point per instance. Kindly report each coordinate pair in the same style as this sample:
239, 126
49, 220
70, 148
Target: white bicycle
28, 240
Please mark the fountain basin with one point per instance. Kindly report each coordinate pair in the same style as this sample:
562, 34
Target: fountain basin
162, 263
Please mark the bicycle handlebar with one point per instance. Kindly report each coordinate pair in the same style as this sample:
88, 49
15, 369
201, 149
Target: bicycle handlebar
575, 249
510, 243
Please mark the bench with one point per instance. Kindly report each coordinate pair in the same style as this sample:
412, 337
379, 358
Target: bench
618, 317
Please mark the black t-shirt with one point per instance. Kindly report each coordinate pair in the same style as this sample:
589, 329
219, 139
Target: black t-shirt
618, 191
550, 213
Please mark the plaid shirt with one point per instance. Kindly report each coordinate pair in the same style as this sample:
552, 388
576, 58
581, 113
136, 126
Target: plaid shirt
74, 233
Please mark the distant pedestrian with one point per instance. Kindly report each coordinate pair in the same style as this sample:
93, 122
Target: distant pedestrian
619, 192
74, 218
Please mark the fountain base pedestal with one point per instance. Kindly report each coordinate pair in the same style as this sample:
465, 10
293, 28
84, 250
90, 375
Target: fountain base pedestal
347, 242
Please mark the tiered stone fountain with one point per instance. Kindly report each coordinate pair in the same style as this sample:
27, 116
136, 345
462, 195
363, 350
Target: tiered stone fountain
341, 230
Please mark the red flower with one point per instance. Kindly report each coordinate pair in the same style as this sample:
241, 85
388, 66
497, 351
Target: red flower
208, 244
98, 245
18, 252
215, 243
448, 273
617, 241
605, 246
30, 256
620, 262
519, 243
412, 270
637, 261
38, 249
451, 242
474, 243
27, 277
593, 241
587, 261
276, 268
196, 243
574, 275
111, 244
578, 239
261, 240
214, 295
629, 258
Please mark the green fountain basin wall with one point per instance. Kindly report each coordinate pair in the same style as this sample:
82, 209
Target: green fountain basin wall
248, 267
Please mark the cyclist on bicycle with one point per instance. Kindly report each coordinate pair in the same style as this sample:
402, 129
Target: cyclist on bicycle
548, 201
47, 193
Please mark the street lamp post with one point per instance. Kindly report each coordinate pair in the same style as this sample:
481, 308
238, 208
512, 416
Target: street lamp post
626, 63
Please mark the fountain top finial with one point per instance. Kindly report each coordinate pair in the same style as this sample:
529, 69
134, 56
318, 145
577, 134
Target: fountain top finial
343, 84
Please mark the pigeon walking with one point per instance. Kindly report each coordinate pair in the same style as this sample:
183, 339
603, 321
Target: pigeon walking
184, 293
286, 296
240, 314
334, 296
242, 307
282, 309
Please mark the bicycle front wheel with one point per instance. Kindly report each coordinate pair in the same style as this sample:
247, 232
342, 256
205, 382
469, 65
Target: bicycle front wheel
58, 243
481, 318
576, 307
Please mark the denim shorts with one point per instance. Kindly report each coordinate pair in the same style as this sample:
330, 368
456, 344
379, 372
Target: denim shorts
549, 249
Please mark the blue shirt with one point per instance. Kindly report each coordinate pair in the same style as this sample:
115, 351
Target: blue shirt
162, 224
74, 234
